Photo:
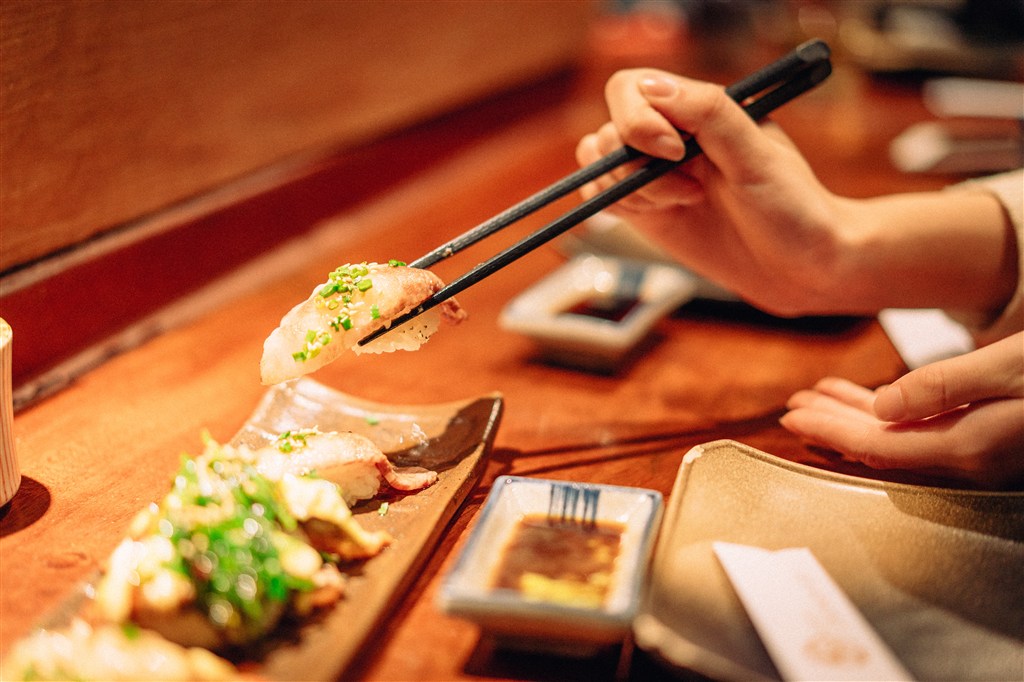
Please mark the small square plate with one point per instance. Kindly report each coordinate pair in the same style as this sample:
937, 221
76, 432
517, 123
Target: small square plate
593, 310
515, 620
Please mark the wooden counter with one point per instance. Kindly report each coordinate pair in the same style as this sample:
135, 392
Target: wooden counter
96, 452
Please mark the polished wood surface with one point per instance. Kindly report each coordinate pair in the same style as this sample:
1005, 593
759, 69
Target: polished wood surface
96, 452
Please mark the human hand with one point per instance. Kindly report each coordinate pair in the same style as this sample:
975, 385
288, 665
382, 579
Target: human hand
963, 416
748, 214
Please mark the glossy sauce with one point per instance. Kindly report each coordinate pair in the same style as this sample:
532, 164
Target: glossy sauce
566, 563
612, 310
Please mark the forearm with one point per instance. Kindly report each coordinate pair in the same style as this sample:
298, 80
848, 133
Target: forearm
954, 250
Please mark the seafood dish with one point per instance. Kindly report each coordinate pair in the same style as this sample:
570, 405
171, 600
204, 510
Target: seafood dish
246, 540
349, 459
109, 652
356, 299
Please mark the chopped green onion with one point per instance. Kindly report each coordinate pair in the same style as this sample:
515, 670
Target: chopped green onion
130, 630
314, 342
344, 283
292, 440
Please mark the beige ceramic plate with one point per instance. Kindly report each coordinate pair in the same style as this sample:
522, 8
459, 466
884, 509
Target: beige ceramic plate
450, 438
936, 572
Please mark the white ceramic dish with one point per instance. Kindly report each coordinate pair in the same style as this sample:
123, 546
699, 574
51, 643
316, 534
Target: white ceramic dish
608, 235
543, 312
524, 623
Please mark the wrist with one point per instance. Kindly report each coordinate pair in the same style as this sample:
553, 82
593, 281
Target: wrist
838, 279
950, 250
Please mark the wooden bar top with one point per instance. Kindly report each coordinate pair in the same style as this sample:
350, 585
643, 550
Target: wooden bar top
98, 451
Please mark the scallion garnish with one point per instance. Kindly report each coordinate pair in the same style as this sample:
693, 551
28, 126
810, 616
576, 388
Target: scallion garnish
289, 441
337, 295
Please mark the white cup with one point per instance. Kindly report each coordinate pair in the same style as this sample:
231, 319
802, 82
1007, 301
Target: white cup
10, 474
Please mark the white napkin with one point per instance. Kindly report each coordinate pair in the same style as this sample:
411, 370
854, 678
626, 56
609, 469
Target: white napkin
811, 629
924, 336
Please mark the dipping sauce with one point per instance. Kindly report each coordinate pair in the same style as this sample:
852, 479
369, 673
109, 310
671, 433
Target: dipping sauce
564, 563
610, 309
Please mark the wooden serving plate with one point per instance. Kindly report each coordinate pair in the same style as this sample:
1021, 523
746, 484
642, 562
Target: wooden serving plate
452, 439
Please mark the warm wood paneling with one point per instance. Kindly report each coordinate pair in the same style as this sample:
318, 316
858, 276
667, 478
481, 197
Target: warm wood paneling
114, 110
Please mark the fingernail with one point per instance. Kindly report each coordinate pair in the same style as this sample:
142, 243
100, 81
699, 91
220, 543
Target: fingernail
890, 404
787, 422
669, 147
658, 86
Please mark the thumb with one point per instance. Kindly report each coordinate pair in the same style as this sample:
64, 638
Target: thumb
994, 371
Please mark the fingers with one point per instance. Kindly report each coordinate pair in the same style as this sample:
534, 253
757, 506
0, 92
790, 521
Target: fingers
673, 189
982, 442
847, 392
994, 371
649, 107
830, 421
642, 126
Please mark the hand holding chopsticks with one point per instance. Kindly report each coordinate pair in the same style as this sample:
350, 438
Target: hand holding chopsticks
760, 93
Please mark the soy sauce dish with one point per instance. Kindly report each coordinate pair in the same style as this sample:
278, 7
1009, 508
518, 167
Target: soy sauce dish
593, 311
555, 566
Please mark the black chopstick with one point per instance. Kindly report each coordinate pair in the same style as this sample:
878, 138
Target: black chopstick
805, 56
799, 71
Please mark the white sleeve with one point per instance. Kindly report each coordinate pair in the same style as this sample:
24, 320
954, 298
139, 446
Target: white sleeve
1008, 188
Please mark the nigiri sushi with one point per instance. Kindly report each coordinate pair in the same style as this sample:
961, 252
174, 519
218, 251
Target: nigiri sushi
229, 551
351, 461
110, 652
355, 300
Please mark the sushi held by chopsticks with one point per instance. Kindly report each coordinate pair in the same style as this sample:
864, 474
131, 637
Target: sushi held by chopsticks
356, 300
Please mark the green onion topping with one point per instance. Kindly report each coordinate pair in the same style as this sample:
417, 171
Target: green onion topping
341, 295
289, 441
231, 549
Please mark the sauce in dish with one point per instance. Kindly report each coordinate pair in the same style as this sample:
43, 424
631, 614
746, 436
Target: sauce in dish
565, 563
610, 309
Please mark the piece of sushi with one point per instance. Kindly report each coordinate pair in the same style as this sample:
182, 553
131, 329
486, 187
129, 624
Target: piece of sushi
110, 652
356, 300
230, 551
351, 461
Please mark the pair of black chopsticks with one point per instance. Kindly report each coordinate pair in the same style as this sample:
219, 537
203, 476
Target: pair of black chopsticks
779, 82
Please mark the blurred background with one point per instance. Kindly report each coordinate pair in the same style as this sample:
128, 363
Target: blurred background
114, 110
